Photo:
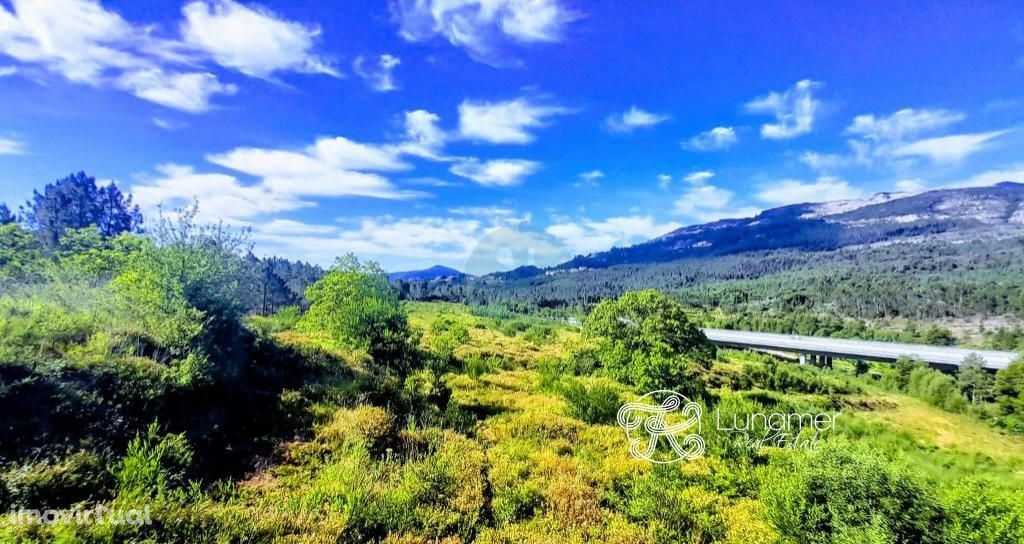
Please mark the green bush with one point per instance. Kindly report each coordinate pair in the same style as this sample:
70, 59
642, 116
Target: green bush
596, 403
790, 378
845, 493
446, 336
936, 388
153, 465
979, 513
1009, 393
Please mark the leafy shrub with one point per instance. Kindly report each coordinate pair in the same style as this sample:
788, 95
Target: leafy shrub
645, 339
153, 465
596, 403
979, 513
936, 388
447, 335
58, 483
355, 304
790, 378
841, 492
538, 334
364, 426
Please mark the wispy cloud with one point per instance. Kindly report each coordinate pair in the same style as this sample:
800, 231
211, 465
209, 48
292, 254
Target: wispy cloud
792, 191
484, 28
632, 119
699, 176
508, 122
587, 235
589, 179
948, 149
794, 110
377, 74
716, 139
10, 146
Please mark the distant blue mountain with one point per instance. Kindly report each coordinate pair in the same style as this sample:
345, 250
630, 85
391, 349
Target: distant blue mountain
432, 273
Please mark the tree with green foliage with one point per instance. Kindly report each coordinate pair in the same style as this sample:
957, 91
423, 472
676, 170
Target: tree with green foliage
355, 305
21, 255
645, 339
6, 217
1009, 393
974, 381
76, 202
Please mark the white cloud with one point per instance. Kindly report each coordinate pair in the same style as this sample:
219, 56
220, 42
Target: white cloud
947, 149
378, 75
715, 139
794, 110
189, 92
221, 197
289, 226
632, 119
167, 124
308, 173
664, 180
340, 152
482, 27
6, 71
791, 191
84, 43
251, 39
699, 176
903, 124
498, 172
432, 239
991, 177
589, 179
424, 138
9, 146
707, 203
912, 185
505, 122
588, 236
824, 162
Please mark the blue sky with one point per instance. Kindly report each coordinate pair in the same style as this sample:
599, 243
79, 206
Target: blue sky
489, 134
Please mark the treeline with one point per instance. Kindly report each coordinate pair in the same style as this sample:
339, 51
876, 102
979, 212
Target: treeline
76, 226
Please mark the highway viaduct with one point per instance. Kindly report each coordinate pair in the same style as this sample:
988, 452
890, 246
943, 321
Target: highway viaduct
822, 350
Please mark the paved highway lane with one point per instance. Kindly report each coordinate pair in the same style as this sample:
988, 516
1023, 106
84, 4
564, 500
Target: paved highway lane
857, 349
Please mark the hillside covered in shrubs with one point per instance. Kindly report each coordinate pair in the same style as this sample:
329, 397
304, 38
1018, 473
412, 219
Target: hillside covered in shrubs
134, 375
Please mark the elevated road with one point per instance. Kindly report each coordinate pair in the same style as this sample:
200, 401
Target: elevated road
867, 350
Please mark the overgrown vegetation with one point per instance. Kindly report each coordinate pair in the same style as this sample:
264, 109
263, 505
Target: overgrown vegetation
135, 373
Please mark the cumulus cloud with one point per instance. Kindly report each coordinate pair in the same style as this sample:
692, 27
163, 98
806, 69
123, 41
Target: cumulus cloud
794, 110
377, 74
792, 191
664, 180
588, 236
251, 39
632, 119
86, 44
507, 122
222, 197
10, 146
484, 28
497, 172
824, 162
715, 139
